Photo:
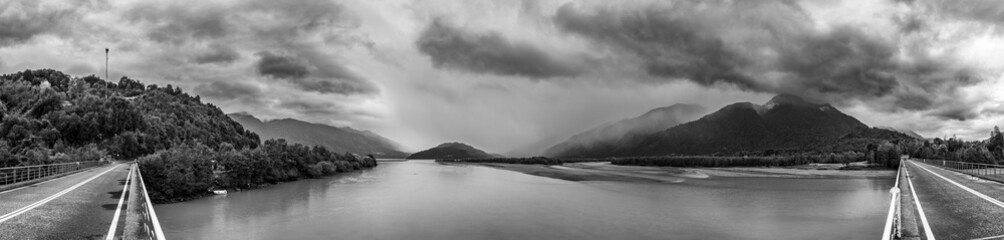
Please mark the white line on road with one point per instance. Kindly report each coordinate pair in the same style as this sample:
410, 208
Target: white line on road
118, 210
988, 238
15, 213
970, 190
916, 200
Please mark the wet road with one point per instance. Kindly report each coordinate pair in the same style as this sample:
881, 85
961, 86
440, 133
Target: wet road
955, 205
78, 206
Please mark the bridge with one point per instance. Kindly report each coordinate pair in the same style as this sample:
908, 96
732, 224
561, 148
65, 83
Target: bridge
935, 199
83, 200
931, 199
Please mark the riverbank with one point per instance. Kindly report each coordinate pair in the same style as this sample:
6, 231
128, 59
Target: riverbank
604, 171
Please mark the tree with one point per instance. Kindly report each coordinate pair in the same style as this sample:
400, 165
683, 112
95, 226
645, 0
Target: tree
996, 144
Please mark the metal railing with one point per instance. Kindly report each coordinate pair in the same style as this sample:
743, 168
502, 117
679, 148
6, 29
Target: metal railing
991, 171
150, 223
12, 175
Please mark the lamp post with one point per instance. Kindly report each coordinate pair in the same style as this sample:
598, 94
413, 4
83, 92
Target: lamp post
106, 65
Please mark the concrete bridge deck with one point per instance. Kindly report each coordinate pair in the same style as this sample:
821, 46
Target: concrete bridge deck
940, 203
91, 204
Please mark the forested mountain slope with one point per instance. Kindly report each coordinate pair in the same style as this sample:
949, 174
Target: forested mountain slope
786, 123
604, 138
47, 116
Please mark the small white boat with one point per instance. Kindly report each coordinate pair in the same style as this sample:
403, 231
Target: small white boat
220, 192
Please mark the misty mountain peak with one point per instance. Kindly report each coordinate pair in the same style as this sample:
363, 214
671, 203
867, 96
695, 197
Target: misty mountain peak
452, 144
244, 115
675, 108
786, 99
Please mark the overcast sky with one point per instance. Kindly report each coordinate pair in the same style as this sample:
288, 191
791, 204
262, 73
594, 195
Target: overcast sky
502, 74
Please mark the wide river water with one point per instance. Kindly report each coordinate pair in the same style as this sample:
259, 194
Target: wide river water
426, 200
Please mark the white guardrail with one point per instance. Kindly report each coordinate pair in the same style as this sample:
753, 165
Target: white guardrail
150, 222
892, 222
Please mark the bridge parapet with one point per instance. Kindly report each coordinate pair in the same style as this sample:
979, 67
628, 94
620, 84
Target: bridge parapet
13, 177
991, 172
142, 222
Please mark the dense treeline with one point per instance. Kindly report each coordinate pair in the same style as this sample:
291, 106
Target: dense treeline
887, 153
187, 171
46, 116
989, 151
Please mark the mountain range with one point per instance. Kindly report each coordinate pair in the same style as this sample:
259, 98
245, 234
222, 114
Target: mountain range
607, 135
786, 123
337, 139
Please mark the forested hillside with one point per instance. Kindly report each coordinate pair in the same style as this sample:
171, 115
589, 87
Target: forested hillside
181, 143
47, 116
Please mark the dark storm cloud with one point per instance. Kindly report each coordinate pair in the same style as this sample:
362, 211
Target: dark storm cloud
177, 24
279, 66
224, 90
990, 11
492, 53
327, 76
993, 110
843, 61
956, 112
289, 30
22, 20
218, 53
302, 15
671, 46
713, 42
311, 108
910, 23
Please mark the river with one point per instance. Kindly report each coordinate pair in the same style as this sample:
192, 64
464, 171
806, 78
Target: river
426, 200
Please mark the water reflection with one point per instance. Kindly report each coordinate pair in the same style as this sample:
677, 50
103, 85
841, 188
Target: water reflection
425, 200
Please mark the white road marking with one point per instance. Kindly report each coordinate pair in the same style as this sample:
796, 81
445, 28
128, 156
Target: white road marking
967, 189
118, 210
923, 218
988, 238
15, 213
29, 185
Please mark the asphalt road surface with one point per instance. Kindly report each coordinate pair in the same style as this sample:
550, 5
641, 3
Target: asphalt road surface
957, 206
78, 206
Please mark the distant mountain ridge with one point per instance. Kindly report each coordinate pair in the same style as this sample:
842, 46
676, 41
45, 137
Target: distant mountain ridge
904, 131
605, 136
451, 150
337, 139
786, 123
